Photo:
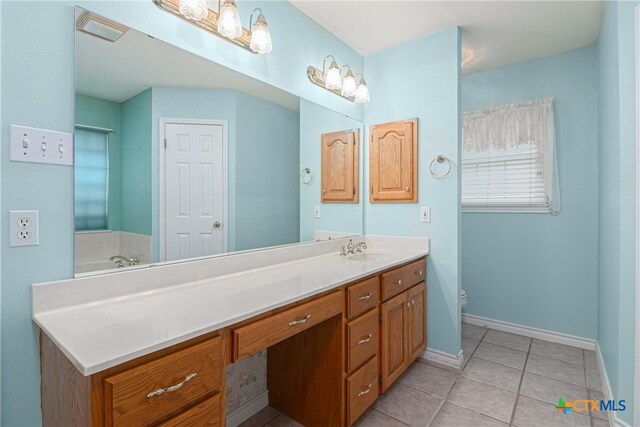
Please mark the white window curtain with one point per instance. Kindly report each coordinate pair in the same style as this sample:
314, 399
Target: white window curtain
509, 159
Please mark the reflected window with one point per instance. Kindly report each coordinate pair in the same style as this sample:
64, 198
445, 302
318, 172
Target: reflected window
91, 179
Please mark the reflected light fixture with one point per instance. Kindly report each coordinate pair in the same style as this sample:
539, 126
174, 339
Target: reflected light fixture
331, 80
99, 26
260, 37
467, 56
196, 10
229, 25
224, 23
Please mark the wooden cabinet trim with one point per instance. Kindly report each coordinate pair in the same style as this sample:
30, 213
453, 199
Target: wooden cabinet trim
350, 163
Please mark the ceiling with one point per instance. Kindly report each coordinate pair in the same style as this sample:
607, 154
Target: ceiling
498, 32
117, 71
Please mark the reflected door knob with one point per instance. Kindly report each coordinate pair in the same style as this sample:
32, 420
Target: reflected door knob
217, 224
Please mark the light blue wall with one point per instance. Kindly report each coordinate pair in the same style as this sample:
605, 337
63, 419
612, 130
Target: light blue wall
422, 79
38, 90
525, 268
97, 112
616, 326
136, 164
266, 178
340, 217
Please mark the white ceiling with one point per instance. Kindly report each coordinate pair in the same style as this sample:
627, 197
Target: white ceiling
117, 71
499, 32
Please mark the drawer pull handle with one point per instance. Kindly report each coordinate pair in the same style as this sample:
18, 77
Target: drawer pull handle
160, 391
365, 391
413, 302
366, 340
419, 272
399, 282
298, 322
365, 297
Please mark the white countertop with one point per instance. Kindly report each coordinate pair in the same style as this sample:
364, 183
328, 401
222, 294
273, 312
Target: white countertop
115, 328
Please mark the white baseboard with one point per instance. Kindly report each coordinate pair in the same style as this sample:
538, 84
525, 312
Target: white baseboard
446, 359
248, 410
608, 394
542, 334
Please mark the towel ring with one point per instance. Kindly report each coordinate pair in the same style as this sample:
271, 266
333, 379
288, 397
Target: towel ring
440, 159
306, 176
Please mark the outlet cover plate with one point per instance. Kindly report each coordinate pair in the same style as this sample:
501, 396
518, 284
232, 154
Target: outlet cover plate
23, 228
33, 145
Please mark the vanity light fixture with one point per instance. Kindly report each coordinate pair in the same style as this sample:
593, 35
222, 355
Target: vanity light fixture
331, 79
224, 23
467, 56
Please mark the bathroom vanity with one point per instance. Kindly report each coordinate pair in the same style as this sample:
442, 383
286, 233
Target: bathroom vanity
339, 331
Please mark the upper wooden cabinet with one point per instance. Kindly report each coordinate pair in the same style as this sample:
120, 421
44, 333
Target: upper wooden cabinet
340, 166
393, 162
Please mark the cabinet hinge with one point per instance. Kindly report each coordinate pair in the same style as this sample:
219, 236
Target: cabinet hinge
354, 191
371, 190
165, 143
380, 318
380, 379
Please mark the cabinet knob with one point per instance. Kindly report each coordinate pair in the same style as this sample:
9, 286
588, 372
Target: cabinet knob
217, 224
406, 189
419, 272
324, 191
399, 282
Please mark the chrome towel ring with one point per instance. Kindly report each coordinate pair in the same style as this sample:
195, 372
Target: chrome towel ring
306, 176
440, 159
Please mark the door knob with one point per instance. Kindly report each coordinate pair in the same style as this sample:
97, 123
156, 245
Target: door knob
217, 224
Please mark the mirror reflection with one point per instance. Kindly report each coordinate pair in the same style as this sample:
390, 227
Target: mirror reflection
177, 157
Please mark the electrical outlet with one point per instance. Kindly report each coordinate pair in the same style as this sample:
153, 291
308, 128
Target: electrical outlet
23, 228
316, 211
425, 214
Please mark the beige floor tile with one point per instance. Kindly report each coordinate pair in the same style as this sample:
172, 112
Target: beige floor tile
594, 380
506, 339
590, 359
557, 351
549, 389
558, 369
499, 354
261, 418
469, 345
373, 418
283, 421
597, 395
597, 422
484, 398
452, 415
493, 373
429, 378
473, 331
534, 413
408, 405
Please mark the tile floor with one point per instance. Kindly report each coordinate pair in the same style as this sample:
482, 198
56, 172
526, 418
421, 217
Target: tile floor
507, 380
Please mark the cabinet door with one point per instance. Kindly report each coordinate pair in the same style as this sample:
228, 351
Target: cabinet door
340, 152
393, 162
394, 339
416, 302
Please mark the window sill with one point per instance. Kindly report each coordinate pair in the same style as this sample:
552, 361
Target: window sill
506, 209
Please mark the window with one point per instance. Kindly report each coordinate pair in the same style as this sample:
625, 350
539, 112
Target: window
91, 179
508, 159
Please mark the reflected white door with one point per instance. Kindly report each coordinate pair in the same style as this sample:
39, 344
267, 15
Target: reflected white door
194, 193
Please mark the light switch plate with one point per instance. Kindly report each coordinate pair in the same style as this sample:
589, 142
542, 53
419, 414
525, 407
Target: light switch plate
316, 211
23, 228
33, 145
425, 214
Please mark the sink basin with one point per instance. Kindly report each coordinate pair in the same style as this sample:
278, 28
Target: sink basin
369, 257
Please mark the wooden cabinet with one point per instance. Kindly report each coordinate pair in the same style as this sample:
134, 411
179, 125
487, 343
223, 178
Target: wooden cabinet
393, 162
340, 170
403, 332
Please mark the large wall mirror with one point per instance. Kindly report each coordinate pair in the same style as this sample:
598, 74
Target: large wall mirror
177, 157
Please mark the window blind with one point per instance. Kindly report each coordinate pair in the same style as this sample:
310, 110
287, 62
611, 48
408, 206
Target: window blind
508, 158
91, 180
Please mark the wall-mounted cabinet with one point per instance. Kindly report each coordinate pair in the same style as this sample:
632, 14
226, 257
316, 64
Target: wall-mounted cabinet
340, 166
393, 162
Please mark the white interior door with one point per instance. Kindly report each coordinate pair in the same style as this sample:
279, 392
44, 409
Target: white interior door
194, 190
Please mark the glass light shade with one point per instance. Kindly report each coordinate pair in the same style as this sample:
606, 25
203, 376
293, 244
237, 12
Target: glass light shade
333, 79
194, 9
362, 93
260, 37
348, 85
229, 25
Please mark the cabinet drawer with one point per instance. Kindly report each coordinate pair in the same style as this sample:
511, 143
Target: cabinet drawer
362, 389
133, 397
363, 339
271, 330
402, 278
362, 297
205, 413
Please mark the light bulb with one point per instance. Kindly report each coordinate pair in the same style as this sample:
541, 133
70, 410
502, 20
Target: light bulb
194, 9
362, 92
229, 20
260, 37
333, 80
348, 85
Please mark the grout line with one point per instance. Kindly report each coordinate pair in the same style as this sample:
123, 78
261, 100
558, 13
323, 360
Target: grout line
515, 404
386, 415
